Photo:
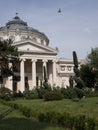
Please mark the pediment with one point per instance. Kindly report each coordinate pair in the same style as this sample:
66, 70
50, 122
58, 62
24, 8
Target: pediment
29, 46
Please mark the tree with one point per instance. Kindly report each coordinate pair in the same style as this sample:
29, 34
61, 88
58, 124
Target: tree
75, 61
92, 60
79, 82
87, 75
9, 56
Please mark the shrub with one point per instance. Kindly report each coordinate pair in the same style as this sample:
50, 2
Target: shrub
4, 90
79, 92
66, 120
69, 93
18, 95
89, 93
5, 94
53, 95
42, 90
30, 94
41, 117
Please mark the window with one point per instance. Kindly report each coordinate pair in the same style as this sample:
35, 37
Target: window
62, 68
69, 68
42, 41
23, 38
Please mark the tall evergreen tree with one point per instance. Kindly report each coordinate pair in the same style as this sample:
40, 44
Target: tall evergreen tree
79, 82
75, 61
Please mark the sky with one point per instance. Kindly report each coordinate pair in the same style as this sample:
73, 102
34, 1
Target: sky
74, 29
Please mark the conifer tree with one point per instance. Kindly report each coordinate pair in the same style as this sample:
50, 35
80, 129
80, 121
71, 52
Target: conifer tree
79, 82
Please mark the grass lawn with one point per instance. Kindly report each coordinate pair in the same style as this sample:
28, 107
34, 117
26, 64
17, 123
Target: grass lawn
86, 106
13, 120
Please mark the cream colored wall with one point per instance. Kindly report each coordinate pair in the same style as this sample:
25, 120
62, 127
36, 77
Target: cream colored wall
64, 73
18, 35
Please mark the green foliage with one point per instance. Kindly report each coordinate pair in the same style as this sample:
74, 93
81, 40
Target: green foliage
5, 94
8, 54
63, 119
12, 119
75, 59
92, 60
79, 82
53, 95
79, 93
4, 90
30, 94
79, 122
89, 93
72, 93
18, 94
87, 75
43, 89
69, 93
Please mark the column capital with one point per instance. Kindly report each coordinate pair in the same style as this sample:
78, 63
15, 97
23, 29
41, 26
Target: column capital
44, 60
34, 60
22, 59
54, 60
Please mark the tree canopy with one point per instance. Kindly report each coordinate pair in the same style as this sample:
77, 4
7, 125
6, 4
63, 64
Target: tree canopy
89, 71
9, 55
92, 59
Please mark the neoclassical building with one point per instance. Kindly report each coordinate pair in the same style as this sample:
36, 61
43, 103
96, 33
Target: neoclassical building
36, 54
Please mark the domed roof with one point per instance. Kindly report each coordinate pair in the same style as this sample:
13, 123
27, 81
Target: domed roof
18, 24
16, 20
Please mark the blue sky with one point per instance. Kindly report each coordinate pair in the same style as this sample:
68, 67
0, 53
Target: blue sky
74, 29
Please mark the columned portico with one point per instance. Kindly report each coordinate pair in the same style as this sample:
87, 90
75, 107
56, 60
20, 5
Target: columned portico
37, 72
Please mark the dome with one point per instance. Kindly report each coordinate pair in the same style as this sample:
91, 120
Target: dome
16, 21
17, 24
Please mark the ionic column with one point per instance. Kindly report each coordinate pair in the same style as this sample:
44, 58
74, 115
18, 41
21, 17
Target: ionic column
22, 75
10, 79
34, 72
54, 72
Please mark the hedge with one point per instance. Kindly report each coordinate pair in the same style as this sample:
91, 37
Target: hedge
66, 120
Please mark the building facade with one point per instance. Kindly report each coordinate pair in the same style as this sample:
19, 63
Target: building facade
36, 54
